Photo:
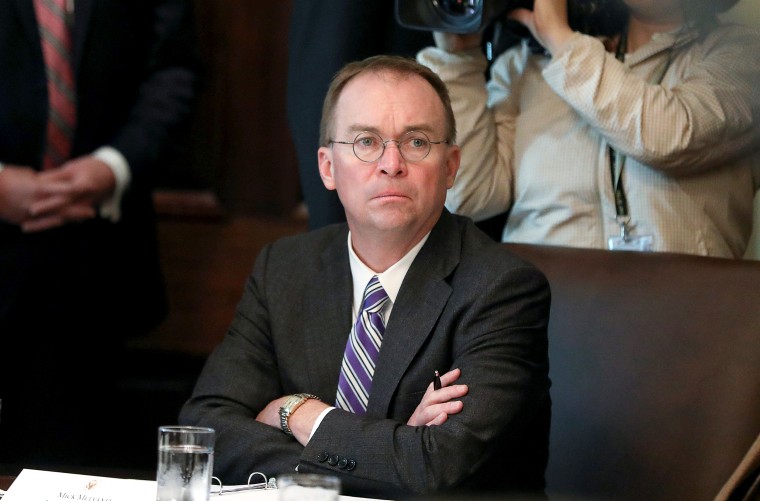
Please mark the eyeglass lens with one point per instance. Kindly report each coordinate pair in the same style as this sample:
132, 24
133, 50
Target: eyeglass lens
413, 146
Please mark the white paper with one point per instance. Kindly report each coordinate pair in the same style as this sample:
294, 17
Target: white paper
37, 485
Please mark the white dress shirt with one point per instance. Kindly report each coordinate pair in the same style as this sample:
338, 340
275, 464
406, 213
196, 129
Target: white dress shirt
391, 280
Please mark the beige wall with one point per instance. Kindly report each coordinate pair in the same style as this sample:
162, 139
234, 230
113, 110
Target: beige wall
748, 12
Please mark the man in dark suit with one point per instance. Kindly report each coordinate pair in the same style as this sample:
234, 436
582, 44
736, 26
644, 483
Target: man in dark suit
79, 268
283, 390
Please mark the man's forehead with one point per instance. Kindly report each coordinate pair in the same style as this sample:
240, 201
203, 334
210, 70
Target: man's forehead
381, 82
374, 97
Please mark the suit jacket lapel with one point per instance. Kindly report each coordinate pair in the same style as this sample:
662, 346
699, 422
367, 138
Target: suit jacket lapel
420, 302
82, 16
327, 318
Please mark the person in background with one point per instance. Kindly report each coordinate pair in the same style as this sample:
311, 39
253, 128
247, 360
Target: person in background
647, 140
94, 97
294, 386
323, 37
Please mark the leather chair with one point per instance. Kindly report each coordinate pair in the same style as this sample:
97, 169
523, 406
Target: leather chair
744, 484
655, 367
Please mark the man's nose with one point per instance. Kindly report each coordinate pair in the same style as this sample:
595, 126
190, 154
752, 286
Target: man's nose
392, 162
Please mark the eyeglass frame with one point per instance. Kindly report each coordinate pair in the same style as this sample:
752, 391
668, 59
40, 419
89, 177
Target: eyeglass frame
384, 142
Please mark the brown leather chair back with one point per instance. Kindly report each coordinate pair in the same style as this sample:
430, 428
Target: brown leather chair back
655, 367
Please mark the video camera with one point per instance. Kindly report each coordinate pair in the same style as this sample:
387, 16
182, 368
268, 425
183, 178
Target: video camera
593, 17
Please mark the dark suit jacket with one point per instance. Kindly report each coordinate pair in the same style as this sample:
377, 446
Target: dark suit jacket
465, 302
136, 73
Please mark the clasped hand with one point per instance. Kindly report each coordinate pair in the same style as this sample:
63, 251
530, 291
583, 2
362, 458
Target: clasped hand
38, 201
433, 410
437, 405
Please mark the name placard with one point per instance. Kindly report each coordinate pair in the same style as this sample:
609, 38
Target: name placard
37, 485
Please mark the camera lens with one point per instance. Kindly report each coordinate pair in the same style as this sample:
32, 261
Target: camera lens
458, 8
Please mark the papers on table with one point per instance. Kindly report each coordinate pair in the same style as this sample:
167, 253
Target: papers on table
38, 485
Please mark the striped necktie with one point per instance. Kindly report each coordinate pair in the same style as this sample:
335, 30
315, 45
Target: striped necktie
362, 349
56, 49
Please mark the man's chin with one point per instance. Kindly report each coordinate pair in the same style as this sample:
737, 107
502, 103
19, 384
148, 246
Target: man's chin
395, 220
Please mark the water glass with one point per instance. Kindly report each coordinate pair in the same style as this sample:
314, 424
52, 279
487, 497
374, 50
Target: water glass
308, 487
185, 463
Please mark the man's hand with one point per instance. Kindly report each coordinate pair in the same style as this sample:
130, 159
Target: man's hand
433, 410
18, 188
547, 22
300, 422
437, 405
69, 194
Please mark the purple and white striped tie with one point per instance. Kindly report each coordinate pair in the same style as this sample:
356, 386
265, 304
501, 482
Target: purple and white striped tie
362, 349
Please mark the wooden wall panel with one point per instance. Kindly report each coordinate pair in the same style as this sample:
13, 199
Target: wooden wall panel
206, 264
240, 146
236, 186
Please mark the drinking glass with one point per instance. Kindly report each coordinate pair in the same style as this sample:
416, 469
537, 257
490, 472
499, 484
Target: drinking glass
185, 463
308, 487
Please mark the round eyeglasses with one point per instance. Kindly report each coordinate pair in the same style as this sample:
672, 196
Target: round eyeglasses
368, 147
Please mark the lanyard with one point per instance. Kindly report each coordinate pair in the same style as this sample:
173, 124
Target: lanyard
617, 159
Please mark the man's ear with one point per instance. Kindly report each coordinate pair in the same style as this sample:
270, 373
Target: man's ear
324, 156
452, 164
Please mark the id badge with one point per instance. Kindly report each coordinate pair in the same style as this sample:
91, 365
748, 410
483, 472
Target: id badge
642, 243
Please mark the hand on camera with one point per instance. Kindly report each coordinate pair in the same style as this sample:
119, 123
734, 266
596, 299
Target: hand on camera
548, 22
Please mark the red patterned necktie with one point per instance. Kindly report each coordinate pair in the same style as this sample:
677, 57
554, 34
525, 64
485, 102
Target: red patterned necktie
362, 351
56, 48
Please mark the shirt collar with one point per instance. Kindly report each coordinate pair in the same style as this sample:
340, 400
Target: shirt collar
663, 42
390, 279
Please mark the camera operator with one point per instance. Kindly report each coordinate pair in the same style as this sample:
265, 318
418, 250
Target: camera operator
646, 140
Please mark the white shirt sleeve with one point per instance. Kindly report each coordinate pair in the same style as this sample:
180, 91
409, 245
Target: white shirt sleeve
111, 208
319, 420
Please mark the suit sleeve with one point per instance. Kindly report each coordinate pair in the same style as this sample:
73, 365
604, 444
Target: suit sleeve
167, 91
237, 382
500, 345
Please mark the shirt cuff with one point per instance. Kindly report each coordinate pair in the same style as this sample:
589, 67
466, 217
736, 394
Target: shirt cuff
111, 208
319, 419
